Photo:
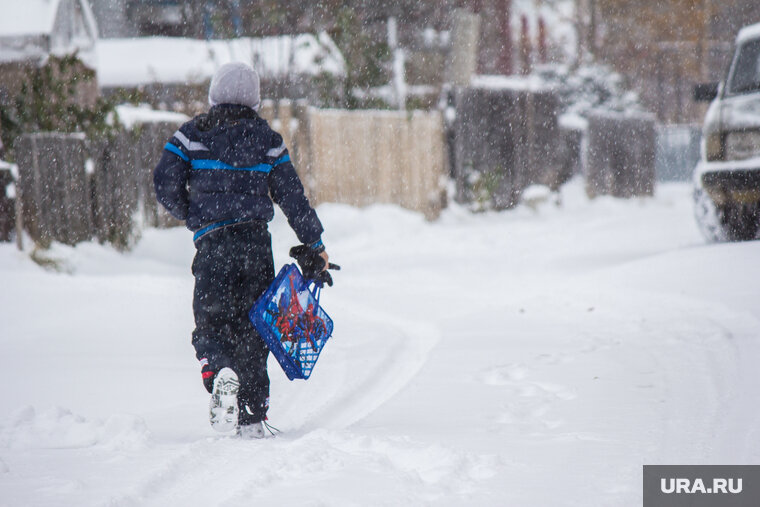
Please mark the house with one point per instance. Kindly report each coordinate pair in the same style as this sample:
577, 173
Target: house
176, 71
112, 18
31, 30
198, 19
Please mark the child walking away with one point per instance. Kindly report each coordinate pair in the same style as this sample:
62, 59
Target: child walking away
220, 173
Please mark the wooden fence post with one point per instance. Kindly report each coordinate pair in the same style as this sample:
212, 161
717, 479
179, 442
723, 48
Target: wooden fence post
463, 57
303, 150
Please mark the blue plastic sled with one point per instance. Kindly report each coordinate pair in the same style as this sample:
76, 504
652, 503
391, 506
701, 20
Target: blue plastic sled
291, 322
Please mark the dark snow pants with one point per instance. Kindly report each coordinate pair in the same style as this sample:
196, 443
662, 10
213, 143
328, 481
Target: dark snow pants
233, 266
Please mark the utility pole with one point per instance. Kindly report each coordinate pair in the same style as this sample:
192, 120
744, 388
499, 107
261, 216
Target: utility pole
591, 45
463, 57
398, 64
504, 13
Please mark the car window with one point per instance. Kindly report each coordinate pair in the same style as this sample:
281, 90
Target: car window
746, 72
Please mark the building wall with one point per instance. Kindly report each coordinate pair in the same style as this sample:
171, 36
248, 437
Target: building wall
112, 19
664, 48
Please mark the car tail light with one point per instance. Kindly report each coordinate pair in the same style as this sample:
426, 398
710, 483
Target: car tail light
714, 147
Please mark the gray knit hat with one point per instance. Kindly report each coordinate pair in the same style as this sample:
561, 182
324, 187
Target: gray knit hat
235, 83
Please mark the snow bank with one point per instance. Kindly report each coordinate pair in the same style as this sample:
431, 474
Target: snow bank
59, 428
475, 360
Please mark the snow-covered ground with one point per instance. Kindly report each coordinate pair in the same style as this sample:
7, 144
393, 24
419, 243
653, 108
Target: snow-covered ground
531, 357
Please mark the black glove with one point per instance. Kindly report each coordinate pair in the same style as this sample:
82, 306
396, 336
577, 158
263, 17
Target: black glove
208, 375
312, 264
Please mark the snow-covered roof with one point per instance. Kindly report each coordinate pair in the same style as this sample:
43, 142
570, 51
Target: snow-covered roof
517, 83
35, 17
138, 61
748, 32
129, 115
32, 29
27, 17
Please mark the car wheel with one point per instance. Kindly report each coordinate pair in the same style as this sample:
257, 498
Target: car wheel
740, 222
708, 217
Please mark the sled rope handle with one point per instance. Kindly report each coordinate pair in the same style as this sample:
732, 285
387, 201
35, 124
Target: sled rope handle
270, 428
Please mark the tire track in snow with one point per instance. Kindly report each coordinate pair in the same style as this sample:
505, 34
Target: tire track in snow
393, 360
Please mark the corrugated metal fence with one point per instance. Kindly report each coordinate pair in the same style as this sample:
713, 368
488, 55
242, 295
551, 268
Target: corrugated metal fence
621, 154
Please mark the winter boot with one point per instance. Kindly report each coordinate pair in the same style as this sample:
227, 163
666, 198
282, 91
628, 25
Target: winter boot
251, 431
223, 407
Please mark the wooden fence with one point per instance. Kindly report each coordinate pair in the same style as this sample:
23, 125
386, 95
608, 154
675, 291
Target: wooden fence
53, 187
123, 194
362, 158
74, 190
366, 157
508, 138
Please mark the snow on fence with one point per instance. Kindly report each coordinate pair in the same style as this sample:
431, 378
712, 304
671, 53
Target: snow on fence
73, 189
621, 154
504, 139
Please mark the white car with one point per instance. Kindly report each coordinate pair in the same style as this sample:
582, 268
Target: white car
727, 177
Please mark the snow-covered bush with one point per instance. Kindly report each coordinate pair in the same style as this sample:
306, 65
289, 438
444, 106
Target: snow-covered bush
589, 87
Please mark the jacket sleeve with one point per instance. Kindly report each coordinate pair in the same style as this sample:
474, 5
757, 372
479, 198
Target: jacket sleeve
287, 191
170, 180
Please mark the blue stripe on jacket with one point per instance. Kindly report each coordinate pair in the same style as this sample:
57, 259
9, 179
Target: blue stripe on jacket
170, 147
218, 164
217, 225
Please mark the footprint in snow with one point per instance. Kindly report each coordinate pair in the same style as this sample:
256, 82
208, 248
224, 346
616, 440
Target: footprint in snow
527, 401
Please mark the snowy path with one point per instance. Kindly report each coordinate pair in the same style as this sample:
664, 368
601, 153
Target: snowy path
521, 358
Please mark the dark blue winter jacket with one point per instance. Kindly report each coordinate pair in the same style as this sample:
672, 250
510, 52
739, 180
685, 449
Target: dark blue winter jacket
221, 168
